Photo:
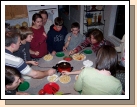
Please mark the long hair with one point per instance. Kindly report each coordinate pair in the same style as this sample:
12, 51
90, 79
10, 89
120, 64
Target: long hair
107, 59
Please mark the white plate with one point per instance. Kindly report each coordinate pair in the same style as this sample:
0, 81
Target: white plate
76, 77
52, 78
65, 82
48, 57
87, 63
76, 56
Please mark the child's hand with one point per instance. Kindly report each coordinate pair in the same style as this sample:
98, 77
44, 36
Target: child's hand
44, 33
36, 53
22, 93
53, 53
64, 48
34, 63
65, 73
69, 38
72, 52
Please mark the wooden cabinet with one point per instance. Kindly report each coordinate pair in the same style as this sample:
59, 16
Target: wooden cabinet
15, 11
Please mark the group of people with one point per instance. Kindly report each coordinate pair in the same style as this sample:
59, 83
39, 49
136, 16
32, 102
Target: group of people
24, 47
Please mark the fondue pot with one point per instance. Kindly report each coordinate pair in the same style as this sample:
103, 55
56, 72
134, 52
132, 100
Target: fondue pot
63, 66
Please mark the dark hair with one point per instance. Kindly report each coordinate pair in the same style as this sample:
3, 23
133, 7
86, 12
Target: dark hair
97, 34
107, 59
11, 37
24, 32
58, 21
35, 16
43, 12
10, 73
75, 25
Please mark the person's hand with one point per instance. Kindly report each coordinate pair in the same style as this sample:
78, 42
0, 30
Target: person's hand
22, 80
44, 33
69, 38
34, 63
53, 53
65, 73
22, 93
51, 72
36, 53
72, 52
64, 48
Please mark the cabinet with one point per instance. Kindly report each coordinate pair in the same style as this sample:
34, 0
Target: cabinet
96, 15
15, 11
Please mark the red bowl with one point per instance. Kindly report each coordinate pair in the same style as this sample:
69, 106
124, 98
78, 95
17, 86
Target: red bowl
67, 58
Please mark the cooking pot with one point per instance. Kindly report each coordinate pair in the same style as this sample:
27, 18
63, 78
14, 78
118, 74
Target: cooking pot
63, 66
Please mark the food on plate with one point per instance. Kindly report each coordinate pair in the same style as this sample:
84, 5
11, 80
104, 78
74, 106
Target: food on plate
78, 57
52, 78
41, 92
64, 79
48, 57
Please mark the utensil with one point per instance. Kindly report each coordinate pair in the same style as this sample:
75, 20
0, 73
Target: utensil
81, 52
58, 76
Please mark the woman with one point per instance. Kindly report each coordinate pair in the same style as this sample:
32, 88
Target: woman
100, 80
38, 43
95, 39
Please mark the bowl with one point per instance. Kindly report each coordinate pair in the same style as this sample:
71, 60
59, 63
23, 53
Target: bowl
88, 51
67, 58
60, 54
24, 86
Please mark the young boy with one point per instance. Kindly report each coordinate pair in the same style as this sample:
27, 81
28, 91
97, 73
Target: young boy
74, 38
24, 51
56, 36
12, 81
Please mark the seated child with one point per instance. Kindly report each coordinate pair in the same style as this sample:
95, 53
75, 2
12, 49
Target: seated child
12, 81
56, 36
74, 38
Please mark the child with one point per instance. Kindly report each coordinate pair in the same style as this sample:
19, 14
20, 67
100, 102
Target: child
56, 36
74, 38
38, 42
12, 81
95, 39
26, 35
46, 22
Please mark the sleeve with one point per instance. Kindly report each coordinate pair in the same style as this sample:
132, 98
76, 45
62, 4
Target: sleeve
50, 42
78, 85
66, 38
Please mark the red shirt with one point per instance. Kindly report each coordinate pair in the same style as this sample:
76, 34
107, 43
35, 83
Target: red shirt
38, 42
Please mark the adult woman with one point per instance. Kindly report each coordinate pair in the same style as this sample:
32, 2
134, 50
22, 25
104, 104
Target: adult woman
100, 80
38, 43
95, 39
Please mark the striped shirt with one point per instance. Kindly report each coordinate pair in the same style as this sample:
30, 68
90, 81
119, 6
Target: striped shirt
16, 62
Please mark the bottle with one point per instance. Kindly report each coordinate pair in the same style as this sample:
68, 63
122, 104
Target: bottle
99, 18
95, 18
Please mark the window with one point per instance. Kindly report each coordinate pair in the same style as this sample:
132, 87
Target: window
119, 25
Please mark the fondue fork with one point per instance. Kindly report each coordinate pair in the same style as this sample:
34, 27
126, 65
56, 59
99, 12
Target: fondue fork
57, 77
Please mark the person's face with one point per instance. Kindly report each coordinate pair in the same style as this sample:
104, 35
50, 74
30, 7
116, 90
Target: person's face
58, 27
17, 45
93, 40
29, 38
75, 31
44, 17
14, 85
38, 23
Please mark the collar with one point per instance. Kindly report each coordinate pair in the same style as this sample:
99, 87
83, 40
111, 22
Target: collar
7, 51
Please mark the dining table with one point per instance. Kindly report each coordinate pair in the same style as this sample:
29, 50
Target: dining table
37, 84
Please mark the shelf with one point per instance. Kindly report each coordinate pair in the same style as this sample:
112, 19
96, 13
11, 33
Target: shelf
94, 24
93, 10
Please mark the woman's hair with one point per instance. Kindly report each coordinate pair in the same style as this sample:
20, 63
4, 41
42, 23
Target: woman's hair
58, 21
107, 59
35, 16
43, 12
10, 73
11, 37
75, 25
24, 32
97, 34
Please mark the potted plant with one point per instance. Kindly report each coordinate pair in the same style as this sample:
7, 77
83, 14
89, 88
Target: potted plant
89, 17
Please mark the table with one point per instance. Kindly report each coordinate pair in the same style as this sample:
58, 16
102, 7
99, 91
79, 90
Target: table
37, 84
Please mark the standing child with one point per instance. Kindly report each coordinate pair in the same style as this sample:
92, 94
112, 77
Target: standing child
38, 42
26, 36
12, 81
74, 38
56, 36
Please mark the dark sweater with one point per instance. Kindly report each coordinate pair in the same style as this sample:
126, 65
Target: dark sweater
55, 40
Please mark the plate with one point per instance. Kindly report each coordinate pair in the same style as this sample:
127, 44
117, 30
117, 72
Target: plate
48, 57
65, 79
79, 57
88, 51
60, 54
87, 63
52, 78
24, 86
76, 77
51, 88
67, 58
